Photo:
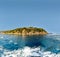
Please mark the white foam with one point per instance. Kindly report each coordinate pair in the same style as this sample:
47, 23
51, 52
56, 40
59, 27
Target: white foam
1, 37
27, 51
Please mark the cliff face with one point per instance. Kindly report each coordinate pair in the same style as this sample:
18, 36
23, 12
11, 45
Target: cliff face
27, 31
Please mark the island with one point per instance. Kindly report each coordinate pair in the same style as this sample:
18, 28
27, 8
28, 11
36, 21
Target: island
26, 31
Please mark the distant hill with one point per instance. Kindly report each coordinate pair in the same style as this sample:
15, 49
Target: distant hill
26, 31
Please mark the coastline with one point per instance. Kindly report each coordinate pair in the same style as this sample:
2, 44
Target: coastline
28, 34
26, 31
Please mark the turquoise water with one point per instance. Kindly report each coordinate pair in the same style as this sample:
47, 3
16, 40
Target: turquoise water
38, 45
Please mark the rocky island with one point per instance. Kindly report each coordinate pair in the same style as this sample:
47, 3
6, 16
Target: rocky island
26, 31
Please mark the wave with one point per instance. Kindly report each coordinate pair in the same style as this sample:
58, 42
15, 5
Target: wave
54, 36
28, 52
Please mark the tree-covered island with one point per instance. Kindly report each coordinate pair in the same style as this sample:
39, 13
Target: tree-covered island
26, 31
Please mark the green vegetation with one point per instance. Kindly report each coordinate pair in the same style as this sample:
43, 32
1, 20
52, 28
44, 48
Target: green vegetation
26, 31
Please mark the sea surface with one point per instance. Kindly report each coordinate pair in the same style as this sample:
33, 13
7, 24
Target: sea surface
30, 46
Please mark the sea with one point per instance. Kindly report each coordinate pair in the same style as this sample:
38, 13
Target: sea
30, 46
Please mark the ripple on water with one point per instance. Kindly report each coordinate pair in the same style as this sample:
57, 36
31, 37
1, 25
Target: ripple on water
10, 41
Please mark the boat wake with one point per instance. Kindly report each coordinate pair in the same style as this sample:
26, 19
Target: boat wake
27, 52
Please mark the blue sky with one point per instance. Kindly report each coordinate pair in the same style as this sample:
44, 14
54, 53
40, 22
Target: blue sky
25, 13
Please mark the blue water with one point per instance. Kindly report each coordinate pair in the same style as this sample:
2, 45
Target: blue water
46, 42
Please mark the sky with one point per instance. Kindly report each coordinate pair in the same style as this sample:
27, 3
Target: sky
26, 13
